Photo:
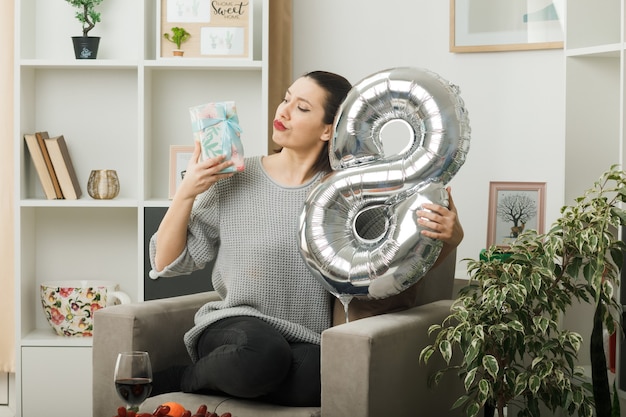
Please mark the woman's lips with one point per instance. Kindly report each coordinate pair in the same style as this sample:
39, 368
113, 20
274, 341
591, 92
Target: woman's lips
278, 125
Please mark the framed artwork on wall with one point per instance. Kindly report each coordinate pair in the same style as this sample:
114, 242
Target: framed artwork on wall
179, 158
513, 208
511, 25
218, 29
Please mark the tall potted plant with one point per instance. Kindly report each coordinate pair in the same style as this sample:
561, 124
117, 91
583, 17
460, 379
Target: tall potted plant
85, 46
505, 323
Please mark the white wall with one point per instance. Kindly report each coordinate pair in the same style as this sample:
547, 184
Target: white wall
515, 100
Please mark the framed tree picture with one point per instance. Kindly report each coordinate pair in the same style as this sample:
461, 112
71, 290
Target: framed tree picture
513, 208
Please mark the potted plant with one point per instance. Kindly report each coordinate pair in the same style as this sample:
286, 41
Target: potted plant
179, 35
505, 323
86, 47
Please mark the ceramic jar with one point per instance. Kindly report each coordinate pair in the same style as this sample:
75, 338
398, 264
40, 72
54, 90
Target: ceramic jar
103, 184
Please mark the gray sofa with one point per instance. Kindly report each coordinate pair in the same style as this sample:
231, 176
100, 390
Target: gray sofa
370, 366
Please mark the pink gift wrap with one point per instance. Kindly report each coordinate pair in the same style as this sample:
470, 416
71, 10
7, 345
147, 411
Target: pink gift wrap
216, 127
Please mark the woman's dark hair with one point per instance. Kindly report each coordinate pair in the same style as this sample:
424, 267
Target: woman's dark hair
336, 88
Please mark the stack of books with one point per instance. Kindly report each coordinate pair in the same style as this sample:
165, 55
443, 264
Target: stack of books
54, 167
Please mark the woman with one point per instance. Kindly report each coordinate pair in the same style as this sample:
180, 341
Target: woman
262, 339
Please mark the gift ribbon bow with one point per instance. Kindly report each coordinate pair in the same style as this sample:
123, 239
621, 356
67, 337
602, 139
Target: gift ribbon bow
232, 130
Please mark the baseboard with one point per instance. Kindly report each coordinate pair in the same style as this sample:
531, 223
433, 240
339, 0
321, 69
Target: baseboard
7, 408
6, 411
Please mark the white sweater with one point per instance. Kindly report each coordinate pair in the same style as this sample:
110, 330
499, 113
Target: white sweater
249, 224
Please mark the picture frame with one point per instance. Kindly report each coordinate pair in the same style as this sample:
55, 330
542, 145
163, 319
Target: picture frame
179, 158
495, 25
513, 208
218, 29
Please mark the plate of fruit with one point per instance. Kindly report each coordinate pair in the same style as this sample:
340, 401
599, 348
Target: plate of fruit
171, 409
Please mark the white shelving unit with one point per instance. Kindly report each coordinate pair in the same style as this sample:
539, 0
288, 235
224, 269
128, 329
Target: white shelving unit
595, 137
594, 50
121, 111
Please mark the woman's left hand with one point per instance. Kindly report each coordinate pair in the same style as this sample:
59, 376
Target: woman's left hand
441, 222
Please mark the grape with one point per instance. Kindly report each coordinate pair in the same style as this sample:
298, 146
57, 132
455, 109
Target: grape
161, 411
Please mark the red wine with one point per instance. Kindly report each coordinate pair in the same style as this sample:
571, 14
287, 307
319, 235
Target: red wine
134, 390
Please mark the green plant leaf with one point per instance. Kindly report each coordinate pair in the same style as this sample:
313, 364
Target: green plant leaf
483, 390
433, 328
491, 365
472, 352
615, 408
473, 409
517, 326
521, 382
578, 398
446, 350
437, 377
541, 323
534, 382
426, 353
469, 378
460, 401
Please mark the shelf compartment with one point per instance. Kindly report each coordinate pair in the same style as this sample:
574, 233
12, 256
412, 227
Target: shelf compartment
167, 119
600, 51
75, 243
202, 63
49, 338
56, 378
84, 201
593, 120
596, 25
80, 64
97, 113
46, 28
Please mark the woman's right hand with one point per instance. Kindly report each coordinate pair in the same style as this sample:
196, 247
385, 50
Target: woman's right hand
201, 175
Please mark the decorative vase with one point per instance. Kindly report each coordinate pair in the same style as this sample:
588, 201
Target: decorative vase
86, 47
69, 304
103, 184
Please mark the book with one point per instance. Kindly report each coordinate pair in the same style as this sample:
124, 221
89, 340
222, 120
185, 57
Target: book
63, 167
41, 137
36, 155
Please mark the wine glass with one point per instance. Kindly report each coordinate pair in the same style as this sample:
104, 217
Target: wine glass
133, 378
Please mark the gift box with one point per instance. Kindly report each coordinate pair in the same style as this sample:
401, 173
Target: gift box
216, 127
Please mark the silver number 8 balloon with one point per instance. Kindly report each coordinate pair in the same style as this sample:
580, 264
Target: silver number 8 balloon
358, 232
